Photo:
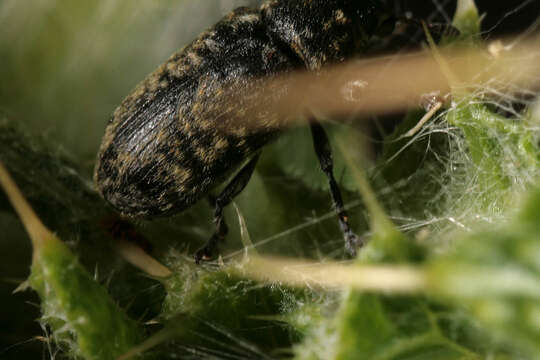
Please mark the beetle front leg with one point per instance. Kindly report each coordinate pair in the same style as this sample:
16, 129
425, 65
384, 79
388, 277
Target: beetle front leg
324, 154
235, 187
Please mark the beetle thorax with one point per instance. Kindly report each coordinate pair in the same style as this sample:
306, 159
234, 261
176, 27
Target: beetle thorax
321, 31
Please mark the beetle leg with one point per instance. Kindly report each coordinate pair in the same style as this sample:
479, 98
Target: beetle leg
324, 154
235, 187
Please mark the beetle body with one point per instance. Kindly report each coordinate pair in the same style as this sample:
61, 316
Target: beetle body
175, 137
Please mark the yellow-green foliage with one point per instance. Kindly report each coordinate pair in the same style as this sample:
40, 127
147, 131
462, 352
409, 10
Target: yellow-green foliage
83, 318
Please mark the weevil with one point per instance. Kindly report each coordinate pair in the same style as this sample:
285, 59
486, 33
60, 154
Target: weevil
175, 138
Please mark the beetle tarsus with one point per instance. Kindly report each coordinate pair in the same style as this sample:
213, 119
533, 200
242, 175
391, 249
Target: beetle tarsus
235, 187
352, 242
207, 252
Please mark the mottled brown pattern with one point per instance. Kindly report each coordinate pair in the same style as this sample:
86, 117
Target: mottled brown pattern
177, 135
